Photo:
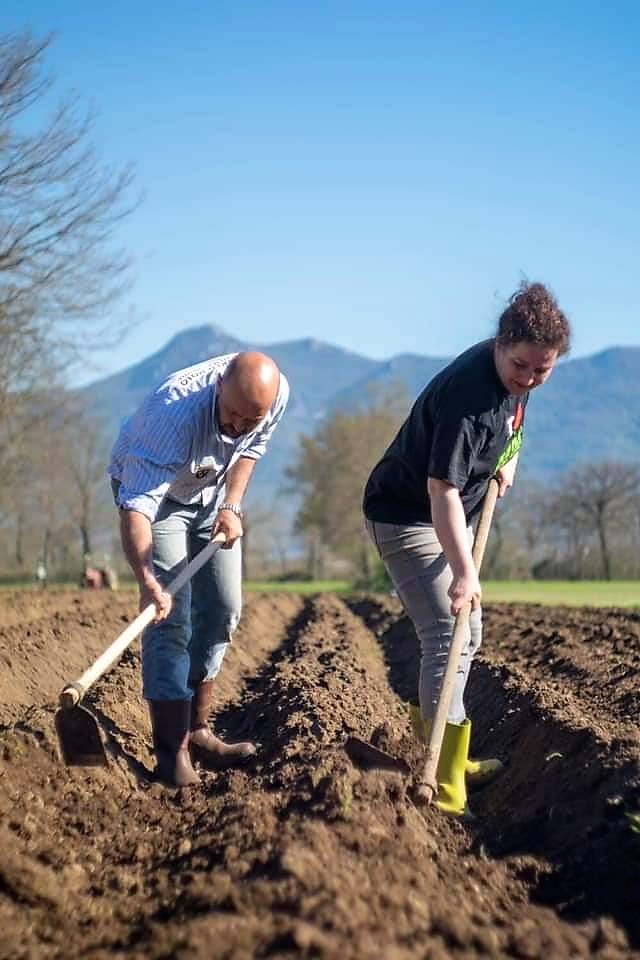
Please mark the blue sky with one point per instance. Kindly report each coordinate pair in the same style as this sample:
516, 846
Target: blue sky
376, 175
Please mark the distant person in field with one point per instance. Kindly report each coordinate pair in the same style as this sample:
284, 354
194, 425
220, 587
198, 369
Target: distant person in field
41, 574
179, 469
424, 495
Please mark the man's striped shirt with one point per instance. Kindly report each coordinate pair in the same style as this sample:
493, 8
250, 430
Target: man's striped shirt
172, 446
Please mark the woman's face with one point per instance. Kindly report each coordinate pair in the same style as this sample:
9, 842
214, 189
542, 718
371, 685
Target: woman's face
523, 366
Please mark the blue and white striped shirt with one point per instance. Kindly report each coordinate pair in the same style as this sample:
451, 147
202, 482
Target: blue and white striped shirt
172, 445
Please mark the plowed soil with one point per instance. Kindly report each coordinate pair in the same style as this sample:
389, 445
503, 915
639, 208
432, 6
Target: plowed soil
302, 852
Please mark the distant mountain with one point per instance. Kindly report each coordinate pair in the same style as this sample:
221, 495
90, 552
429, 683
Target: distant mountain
408, 372
115, 397
316, 371
589, 409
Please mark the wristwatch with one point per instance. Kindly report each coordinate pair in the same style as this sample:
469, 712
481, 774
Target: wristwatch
233, 507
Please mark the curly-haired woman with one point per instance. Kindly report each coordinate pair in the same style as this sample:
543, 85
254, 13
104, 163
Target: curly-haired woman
422, 497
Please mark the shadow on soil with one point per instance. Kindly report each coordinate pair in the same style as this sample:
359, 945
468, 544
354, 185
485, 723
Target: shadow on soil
559, 811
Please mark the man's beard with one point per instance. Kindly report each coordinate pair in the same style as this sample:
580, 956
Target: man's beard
230, 431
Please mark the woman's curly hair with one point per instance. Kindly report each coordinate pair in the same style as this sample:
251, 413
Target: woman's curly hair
532, 315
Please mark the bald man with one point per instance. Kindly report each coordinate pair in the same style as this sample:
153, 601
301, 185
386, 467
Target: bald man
179, 471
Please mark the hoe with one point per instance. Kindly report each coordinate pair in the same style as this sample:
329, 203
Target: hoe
79, 735
365, 754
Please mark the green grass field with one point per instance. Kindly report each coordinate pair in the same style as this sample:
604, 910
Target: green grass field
581, 593
585, 593
299, 586
577, 593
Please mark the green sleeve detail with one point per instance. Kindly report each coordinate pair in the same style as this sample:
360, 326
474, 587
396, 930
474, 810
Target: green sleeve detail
512, 447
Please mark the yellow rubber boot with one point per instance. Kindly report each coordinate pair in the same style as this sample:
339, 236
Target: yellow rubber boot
452, 790
481, 772
478, 772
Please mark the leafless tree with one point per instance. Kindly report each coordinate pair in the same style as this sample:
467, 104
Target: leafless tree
59, 209
590, 500
87, 448
54, 497
522, 540
31, 505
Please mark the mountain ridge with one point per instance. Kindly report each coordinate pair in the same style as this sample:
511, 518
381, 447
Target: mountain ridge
588, 410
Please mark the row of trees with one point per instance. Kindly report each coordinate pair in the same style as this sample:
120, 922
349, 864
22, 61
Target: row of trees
584, 524
329, 474
60, 277
54, 504
61, 273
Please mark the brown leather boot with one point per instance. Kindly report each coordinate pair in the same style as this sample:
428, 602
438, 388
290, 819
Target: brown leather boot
170, 720
209, 750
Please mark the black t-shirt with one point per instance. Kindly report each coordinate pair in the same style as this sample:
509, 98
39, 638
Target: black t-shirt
461, 429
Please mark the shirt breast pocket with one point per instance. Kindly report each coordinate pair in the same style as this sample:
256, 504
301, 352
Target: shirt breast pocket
205, 469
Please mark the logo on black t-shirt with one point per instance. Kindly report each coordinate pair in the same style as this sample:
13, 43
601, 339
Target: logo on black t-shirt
514, 426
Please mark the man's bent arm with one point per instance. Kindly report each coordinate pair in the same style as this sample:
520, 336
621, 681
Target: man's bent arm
137, 543
237, 481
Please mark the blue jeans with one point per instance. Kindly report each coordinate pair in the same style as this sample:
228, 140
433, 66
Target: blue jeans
421, 575
189, 646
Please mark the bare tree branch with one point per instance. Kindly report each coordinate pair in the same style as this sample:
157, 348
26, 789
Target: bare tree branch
60, 207
590, 499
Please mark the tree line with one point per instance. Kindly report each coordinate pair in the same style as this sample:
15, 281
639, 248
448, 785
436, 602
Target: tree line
582, 524
61, 275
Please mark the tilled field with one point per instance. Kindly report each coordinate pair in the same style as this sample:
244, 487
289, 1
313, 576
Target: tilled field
301, 853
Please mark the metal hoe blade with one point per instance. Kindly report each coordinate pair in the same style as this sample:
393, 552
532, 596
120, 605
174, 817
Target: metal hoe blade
80, 739
365, 755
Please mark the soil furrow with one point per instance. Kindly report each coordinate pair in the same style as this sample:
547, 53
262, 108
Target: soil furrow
84, 840
300, 853
322, 856
571, 778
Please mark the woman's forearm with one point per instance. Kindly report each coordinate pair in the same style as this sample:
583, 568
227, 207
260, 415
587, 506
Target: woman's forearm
450, 525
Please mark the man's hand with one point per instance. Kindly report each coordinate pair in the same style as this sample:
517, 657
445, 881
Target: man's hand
137, 543
464, 589
152, 591
230, 524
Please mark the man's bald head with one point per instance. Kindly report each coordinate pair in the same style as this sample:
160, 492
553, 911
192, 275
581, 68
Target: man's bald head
246, 393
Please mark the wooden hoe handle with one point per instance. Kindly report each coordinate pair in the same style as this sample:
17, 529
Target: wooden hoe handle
73, 692
428, 785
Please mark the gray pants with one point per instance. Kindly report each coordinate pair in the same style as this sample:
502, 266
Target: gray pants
421, 576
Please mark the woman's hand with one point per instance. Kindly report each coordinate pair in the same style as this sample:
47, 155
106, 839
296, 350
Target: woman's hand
451, 527
464, 588
505, 476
